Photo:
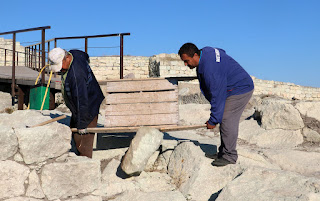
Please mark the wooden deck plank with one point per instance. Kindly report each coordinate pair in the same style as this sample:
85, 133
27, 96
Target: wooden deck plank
145, 97
141, 108
141, 85
26, 76
141, 120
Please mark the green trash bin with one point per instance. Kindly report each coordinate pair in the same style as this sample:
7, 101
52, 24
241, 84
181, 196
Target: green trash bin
36, 97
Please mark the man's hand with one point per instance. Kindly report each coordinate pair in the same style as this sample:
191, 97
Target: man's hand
82, 131
209, 126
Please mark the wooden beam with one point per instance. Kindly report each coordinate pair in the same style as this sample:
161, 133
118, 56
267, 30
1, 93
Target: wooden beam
136, 86
163, 128
141, 120
146, 97
141, 108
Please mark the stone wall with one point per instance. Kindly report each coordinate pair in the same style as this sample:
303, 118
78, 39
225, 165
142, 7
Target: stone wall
170, 65
7, 44
286, 90
36, 163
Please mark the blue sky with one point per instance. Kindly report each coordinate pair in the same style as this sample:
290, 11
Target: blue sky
272, 39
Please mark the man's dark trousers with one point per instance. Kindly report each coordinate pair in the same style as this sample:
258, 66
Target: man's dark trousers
229, 126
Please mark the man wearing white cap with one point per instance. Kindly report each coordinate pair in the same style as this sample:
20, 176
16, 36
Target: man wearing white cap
81, 92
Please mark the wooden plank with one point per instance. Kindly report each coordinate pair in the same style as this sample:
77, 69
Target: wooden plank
141, 120
141, 108
135, 129
145, 97
145, 85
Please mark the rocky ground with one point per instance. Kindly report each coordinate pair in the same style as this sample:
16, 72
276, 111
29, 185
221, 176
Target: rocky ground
278, 147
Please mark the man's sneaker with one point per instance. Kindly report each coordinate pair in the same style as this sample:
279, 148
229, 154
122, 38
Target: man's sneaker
212, 156
221, 162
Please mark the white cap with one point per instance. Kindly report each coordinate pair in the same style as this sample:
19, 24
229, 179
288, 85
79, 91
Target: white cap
56, 56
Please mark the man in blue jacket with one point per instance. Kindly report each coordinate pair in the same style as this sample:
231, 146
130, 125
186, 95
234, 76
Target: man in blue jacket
81, 92
228, 88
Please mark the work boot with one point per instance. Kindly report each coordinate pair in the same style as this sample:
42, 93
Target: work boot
221, 162
212, 156
84, 144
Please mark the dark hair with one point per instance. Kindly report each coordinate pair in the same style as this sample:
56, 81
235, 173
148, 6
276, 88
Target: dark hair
189, 49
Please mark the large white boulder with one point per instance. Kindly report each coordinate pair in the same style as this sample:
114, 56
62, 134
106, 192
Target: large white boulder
5, 101
306, 163
277, 115
265, 184
250, 131
8, 142
309, 109
79, 175
147, 196
22, 118
194, 175
12, 176
41, 143
142, 147
114, 183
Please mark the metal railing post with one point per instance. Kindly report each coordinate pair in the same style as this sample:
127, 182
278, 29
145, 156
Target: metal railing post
13, 83
86, 45
43, 55
5, 57
121, 56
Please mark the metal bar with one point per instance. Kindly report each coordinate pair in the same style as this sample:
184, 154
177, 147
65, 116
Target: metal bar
25, 30
13, 83
43, 54
121, 56
55, 43
86, 45
39, 57
47, 41
92, 36
17, 58
5, 57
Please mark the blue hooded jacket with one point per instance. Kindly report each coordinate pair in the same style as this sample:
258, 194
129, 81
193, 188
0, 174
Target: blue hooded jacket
82, 90
221, 79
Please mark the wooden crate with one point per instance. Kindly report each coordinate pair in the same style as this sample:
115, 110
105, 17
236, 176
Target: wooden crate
141, 102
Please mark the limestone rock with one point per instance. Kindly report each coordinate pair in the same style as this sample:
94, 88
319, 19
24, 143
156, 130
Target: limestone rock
277, 115
265, 184
87, 198
12, 177
200, 113
250, 131
8, 142
249, 157
79, 175
34, 188
112, 184
143, 145
311, 135
278, 138
154, 181
22, 199
194, 175
22, 118
163, 159
141, 196
5, 101
49, 141
309, 109
306, 163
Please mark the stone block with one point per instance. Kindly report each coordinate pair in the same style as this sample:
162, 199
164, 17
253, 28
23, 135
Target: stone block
143, 145
12, 176
79, 175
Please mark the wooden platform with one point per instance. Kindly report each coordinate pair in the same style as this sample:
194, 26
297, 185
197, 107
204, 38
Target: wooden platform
25, 76
141, 102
